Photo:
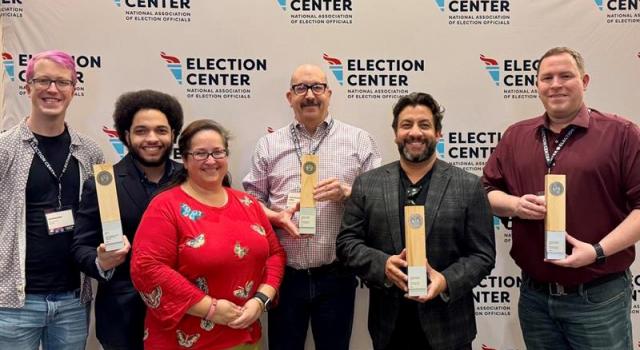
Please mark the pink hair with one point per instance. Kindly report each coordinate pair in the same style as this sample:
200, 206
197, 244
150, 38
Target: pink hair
59, 57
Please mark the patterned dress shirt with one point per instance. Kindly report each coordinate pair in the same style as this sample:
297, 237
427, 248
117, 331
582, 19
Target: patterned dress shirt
344, 153
16, 155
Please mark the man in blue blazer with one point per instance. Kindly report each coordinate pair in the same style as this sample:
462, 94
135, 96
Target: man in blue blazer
148, 123
459, 230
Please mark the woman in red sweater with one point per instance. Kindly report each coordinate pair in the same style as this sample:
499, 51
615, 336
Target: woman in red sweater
205, 258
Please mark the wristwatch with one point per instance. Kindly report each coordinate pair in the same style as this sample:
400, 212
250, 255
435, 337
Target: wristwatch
600, 257
264, 299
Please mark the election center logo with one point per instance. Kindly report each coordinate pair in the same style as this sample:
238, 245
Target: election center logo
155, 11
476, 12
619, 11
318, 12
11, 9
496, 296
515, 76
220, 78
635, 295
7, 62
15, 67
468, 150
374, 78
112, 136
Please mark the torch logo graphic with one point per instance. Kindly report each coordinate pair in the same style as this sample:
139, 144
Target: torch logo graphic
282, 4
440, 4
440, 149
173, 63
492, 67
7, 60
599, 4
114, 140
336, 67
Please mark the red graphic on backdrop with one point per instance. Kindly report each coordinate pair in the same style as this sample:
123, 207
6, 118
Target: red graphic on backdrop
488, 61
331, 60
110, 132
169, 59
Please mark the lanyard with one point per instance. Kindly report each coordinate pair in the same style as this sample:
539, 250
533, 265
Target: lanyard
296, 140
34, 145
550, 158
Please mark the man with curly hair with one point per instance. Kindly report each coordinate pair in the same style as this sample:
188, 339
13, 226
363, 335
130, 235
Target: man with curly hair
148, 123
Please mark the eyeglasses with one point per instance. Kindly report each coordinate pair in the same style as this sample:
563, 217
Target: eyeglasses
301, 89
412, 194
204, 155
45, 83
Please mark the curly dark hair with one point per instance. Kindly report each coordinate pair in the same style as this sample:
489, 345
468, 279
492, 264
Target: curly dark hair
128, 104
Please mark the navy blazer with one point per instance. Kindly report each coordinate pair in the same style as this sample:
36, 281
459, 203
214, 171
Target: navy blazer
119, 309
460, 244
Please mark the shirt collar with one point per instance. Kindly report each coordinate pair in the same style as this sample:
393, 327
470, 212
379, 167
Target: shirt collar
581, 120
325, 123
27, 135
169, 169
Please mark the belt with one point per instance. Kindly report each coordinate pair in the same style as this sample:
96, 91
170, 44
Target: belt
320, 270
557, 289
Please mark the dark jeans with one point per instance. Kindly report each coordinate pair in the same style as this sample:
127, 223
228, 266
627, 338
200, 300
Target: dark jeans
595, 317
324, 296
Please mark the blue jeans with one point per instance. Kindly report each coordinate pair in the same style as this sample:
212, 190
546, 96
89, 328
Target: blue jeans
325, 296
592, 318
57, 320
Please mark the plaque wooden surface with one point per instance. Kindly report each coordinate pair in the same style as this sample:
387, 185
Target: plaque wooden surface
555, 196
416, 245
108, 206
555, 219
308, 181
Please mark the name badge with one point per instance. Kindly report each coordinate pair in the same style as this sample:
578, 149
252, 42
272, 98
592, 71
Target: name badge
59, 221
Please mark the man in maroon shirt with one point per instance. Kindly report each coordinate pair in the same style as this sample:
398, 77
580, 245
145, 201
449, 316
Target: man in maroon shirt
584, 300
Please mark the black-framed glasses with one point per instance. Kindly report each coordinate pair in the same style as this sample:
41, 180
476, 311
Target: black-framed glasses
203, 155
45, 83
412, 194
301, 89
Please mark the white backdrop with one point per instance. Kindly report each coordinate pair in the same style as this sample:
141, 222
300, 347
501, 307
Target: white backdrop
230, 60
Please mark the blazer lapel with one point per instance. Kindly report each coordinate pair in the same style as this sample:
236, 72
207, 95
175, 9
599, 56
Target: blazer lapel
437, 187
130, 180
391, 183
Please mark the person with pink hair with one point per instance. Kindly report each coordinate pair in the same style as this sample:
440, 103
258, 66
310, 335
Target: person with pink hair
44, 300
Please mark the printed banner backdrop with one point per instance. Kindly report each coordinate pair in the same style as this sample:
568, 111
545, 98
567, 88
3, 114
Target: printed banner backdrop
231, 60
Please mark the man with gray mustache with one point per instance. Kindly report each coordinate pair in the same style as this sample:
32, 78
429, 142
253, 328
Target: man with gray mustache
316, 288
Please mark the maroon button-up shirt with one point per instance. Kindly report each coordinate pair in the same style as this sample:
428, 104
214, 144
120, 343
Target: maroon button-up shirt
602, 163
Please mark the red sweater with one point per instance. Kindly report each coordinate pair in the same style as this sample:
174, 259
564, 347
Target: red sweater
184, 250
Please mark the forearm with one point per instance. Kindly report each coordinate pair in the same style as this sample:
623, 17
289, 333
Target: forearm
201, 308
267, 290
626, 234
272, 215
502, 204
